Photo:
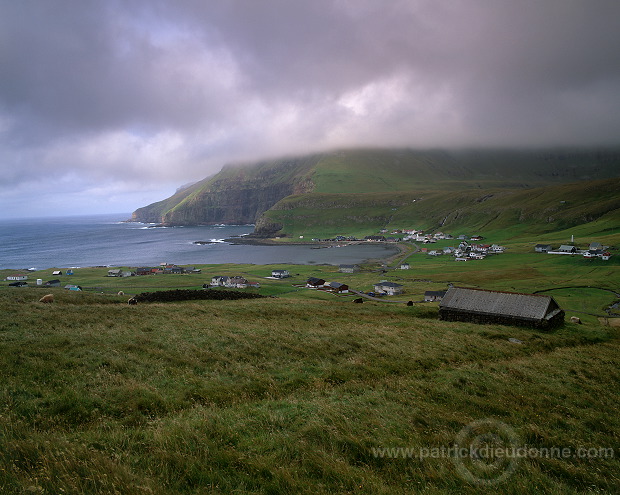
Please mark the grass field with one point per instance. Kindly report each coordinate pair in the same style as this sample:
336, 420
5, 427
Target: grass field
307, 392
289, 395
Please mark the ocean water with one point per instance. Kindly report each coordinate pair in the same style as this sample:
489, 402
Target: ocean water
106, 240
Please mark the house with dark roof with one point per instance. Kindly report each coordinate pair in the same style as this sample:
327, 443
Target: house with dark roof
338, 287
314, 282
52, 283
434, 295
348, 268
504, 308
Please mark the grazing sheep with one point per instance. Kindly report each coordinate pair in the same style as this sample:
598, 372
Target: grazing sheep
409, 303
359, 300
47, 298
120, 293
132, 301
575, 319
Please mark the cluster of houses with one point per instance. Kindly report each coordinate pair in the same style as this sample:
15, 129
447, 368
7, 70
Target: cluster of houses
20, 280
380, 288
467, 251
164, 268
235, 282
594, 250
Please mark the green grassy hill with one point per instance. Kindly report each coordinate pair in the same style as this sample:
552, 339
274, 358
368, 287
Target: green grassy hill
242, 193
593, 205
303, 394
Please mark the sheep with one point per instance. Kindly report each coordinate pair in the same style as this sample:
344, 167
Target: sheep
575, 319
120, 293
409, 303
132, 300
47, 298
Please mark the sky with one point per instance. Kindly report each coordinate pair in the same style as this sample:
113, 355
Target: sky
106, 106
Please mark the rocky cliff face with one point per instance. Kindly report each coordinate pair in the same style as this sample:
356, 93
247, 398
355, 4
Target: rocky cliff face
236, 195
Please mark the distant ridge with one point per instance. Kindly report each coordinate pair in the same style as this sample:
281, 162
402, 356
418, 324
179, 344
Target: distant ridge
356, 180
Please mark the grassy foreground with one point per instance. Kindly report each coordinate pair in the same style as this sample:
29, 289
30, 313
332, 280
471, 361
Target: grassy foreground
294, 395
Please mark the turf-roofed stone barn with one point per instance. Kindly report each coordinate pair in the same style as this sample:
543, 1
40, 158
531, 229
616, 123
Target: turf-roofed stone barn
504, 308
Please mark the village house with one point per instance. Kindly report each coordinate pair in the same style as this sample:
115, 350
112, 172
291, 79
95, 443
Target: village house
18, 277
237, 282
504, 308
315, 283
543, 248
348, 268
280, 273
593, 253
565, 249
19, 283
405, 266
389, 288
143, 270
434, 295
606, 255
219, 281
338, 287
374, 238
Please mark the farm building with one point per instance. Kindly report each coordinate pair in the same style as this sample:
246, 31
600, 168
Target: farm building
543, 248
52, 283
565, 248
348, 268
389, 288
504, 308
434, 295
17, 277
280, 273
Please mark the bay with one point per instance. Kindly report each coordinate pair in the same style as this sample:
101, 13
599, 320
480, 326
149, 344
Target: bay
107, 240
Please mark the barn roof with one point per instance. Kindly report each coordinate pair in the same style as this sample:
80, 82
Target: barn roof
530, 306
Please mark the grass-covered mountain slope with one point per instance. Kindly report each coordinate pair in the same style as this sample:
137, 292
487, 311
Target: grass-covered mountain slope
532, 211
369, 182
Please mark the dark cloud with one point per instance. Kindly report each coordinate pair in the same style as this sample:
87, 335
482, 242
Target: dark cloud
154, 91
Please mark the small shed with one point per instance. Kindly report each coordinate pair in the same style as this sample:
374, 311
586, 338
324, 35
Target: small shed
57, 272
504, 308
52, 283
116, 272
348, 268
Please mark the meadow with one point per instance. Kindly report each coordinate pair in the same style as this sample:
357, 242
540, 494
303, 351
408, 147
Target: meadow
306, 392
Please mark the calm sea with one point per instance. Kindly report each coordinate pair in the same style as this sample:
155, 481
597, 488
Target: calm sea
106, 240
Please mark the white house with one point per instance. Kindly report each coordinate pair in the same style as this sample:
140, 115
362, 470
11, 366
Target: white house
17, 277
389, 288
280, 273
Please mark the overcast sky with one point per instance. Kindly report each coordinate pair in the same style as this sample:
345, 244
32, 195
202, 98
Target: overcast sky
106, 106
